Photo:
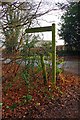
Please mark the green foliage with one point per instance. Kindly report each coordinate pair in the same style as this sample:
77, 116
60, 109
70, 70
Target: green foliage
70, 26
28, 97
58, 70
9, 85
25, 76
30, 42
47, 46
29, 56
1, 104
14, 105
59, 90
59, 60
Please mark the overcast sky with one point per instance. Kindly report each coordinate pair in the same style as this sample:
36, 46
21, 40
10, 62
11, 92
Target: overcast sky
48, 19
52, 17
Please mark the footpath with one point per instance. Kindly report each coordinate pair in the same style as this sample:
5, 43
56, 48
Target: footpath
72, 66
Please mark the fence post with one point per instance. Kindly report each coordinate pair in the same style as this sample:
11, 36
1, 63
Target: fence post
53, 55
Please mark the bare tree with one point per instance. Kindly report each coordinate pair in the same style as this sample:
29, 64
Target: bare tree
16, 16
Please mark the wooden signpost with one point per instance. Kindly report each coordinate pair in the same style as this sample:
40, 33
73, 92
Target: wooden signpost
46, 29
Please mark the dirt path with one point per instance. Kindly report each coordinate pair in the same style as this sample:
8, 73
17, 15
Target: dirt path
72, 66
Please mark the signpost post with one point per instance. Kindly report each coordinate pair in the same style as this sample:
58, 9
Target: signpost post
46, 29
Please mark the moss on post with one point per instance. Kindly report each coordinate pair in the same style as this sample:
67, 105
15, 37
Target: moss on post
53, 55
44, 69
